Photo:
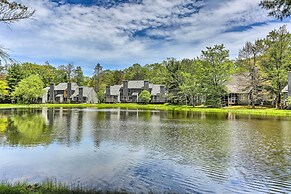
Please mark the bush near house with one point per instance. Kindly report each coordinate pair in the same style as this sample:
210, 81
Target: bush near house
144, 97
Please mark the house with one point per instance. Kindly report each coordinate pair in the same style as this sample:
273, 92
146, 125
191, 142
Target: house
69, 92
129, 91
238, 90
287, 90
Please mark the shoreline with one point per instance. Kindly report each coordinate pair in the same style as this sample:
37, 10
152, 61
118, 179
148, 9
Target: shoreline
48, 187
244, 110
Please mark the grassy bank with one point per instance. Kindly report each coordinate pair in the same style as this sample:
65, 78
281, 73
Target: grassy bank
235, 109
45, 188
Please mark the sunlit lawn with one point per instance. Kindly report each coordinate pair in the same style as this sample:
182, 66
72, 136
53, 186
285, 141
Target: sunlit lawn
167, 107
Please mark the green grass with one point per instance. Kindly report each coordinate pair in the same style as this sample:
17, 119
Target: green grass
45, 188
235, 109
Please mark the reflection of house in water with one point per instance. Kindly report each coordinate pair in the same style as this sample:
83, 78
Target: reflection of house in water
67, 124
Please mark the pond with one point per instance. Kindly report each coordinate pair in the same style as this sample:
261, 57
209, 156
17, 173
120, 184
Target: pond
146, 151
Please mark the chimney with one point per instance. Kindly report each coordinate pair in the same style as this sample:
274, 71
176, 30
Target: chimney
125, 89
162, 90
69, 91
107, 91
289, 83
146, 85
81, 94
52, 93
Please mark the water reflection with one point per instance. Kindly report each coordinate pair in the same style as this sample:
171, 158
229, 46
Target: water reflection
142, 151
25, 129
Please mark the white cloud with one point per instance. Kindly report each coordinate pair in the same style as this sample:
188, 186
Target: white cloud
87, 35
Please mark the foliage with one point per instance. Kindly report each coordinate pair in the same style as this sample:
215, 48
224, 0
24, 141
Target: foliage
144, 97
276, 62
174, 79
288, 102
214, 69
29, 89
277, 8
249, 56
135, 72
14, 75
97, 77
66, 72
48, 187
156, 73
101, 96
3, 88
79, 76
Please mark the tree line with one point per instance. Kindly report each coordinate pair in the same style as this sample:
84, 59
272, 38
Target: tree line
266, 61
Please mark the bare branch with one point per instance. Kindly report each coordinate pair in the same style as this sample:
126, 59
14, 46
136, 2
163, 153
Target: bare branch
11, 12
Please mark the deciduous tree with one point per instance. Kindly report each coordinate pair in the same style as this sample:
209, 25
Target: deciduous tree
277, 61
214, 69
144, 97
29, 89
249, 55
3, 88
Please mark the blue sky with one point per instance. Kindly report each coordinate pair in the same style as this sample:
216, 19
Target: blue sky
119, 33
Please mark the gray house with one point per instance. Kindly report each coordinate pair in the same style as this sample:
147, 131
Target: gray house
130, 90
287, 90
69, 92
238, 90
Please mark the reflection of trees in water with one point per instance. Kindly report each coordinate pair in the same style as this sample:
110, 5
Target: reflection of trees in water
262, 146
215, 143
212, 142
3, 123
27, 129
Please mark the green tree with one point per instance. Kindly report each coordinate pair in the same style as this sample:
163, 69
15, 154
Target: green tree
46, 72
66, 72
276, 62
144, 97
249, 56
277, 8
15, 74
191, 87
3, 89
135, 72
214, 69
173, 80
156, 73
97, 77
79, 76
29, 90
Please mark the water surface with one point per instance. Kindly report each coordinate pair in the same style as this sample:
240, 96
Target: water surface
147, 151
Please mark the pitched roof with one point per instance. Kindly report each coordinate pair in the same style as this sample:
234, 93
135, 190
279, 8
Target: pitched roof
155, 89
239, 83
86, 91
136, 84
64, 86
115, 90
285, 90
